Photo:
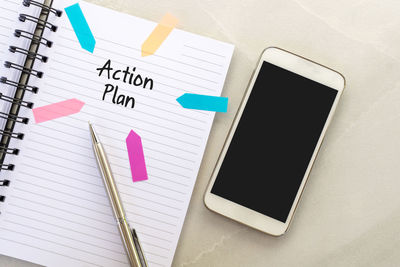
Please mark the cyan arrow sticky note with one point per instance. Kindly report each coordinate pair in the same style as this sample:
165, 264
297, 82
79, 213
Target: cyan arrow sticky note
81, 27
203, 102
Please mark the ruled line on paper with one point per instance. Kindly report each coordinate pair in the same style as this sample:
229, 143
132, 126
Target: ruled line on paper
8, 9
88, 155
203, 60
203, 50
153, 210
17, 222
74, 205
5, 27
155, 55
150, 218
62, 226
58, 208
65, 176
65, 167
88, 226
153, 228
106, 204
59, 244
149, 200
15, 2
47, 250
152, 192
67, 185
12, 20
73, 135
93, 166
155, 185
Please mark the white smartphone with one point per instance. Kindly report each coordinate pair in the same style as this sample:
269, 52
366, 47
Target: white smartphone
274, 140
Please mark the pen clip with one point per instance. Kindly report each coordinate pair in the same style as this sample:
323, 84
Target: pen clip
138, 248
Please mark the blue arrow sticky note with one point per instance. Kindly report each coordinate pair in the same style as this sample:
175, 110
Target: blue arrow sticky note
81, 27
203, 102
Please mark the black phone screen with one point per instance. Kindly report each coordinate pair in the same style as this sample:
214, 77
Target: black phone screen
274, 141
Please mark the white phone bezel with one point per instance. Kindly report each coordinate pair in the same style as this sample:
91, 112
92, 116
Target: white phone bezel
305, 68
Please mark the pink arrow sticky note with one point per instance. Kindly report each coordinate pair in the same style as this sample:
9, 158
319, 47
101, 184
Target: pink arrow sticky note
57, 110
136, 157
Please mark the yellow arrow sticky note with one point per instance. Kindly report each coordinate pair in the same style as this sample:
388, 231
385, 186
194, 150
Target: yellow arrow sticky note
159, 34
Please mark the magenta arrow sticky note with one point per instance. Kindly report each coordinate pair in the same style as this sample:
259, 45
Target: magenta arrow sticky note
57, 110
136, 157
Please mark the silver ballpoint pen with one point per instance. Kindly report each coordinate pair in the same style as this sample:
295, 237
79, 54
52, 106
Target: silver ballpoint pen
128, 235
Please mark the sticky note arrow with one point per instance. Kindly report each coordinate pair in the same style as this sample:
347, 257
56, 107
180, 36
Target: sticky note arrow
57, 110
136, 157
81, 27
203, 102
158, 35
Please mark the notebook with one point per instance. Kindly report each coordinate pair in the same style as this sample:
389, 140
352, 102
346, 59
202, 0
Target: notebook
56, 211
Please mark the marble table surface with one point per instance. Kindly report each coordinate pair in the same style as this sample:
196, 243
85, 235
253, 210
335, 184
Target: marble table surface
350, 211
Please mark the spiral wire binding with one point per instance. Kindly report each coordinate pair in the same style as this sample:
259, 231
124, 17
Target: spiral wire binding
19, 136
25, 87
14, 49
12, 151
56, 12
15, 118
20, 102
42, 24
21, 68
37, 40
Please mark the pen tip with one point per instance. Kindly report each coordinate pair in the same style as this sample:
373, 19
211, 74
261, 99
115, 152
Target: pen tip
95, 139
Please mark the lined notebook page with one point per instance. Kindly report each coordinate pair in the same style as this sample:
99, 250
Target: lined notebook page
57, 211
9, 10
8, 15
